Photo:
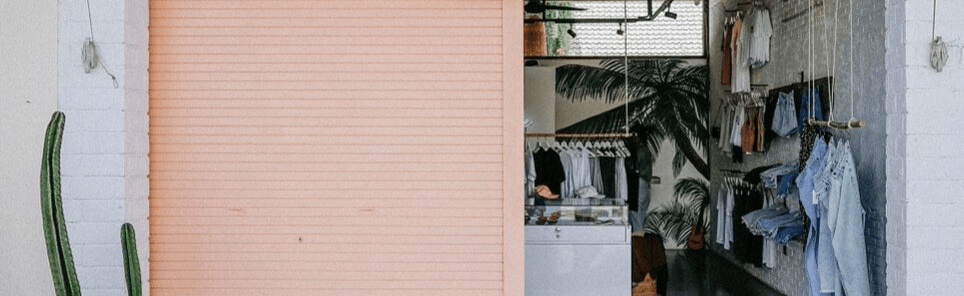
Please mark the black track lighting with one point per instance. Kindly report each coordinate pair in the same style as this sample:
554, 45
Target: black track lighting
670, 15
620, 30
571, 32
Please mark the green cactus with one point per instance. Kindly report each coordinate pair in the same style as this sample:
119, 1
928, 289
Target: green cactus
55, 230
132, 266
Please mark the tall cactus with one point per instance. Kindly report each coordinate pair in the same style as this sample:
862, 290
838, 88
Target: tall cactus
132, 266
55, 230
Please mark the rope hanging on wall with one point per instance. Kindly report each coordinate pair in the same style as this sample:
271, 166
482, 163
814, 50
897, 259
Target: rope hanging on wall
88, 53
852, 122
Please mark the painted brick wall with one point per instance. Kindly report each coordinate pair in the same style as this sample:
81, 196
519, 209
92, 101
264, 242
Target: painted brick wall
789, 56
934, 151
104, 164
896, 107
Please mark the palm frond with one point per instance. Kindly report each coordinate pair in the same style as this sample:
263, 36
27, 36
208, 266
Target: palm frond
693, 189
581, 82
669, 97
679, 160
672, 222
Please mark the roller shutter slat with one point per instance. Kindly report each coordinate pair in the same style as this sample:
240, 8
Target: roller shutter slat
326, 147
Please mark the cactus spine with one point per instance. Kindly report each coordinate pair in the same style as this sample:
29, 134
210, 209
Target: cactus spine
55, 230
132, 266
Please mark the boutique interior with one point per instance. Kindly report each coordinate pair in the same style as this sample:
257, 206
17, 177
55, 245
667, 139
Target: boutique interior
704, 148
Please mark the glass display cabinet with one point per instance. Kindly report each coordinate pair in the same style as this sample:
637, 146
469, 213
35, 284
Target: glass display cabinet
577, 247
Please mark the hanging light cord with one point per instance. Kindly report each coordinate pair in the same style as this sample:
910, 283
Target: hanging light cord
88, 53
626, 63
811, 59
934, 21
831, 71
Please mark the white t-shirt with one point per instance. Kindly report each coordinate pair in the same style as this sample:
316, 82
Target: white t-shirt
741, 69
760, 42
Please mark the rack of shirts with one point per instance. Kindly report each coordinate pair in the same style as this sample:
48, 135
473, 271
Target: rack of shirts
741, 121
737, 197
746, 45
785, 113
729, 188
577, 168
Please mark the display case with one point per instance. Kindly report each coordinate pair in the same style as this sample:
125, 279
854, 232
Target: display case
576, 211
577, 247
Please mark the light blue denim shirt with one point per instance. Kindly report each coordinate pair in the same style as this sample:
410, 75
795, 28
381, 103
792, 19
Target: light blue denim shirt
805, 188
845, 216
827, 266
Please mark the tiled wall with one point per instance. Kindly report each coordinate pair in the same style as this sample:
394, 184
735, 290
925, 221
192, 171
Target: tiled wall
789, 56
104, 154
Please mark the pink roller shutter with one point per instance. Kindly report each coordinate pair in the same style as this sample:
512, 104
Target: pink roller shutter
335, 147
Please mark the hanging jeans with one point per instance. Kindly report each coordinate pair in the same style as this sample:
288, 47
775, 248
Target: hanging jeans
785, 116
785, 234
770, 177
845, 216
771, 225
638, 219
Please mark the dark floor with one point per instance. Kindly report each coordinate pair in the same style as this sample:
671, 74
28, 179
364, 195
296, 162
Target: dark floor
703, 273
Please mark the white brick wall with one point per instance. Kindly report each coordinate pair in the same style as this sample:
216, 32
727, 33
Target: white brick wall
934, 152
105, 146
897, 144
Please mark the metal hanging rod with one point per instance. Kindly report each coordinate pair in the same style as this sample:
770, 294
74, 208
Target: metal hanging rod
652, 15
589, 21
585, 135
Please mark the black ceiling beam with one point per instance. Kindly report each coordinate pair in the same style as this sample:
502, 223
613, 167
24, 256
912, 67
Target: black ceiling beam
652, 15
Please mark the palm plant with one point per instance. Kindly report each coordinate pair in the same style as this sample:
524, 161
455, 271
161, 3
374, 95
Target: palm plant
674, 221
667, 100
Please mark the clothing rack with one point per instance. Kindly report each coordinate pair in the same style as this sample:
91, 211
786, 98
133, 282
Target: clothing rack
583, 135
753, 85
